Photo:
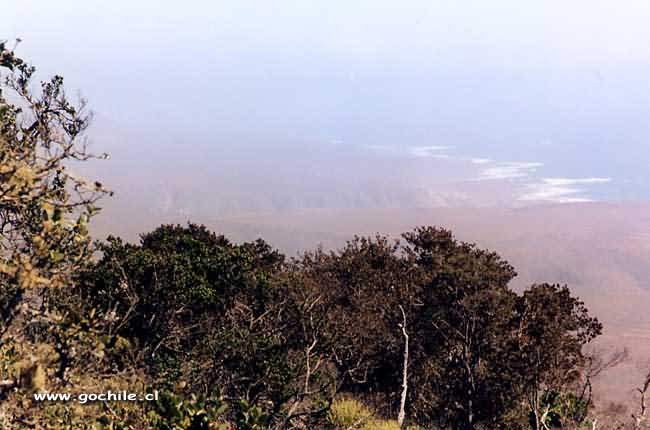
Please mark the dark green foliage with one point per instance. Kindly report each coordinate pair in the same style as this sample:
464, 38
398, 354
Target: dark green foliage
553, 328
173, 413
467, 316
177, 278
170, 291
214, 315
360, 288
471, 336
280, 339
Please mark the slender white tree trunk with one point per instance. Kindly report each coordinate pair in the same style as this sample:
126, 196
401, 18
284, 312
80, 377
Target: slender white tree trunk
402, 406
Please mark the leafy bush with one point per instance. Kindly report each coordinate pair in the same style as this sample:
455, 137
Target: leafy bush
174, 413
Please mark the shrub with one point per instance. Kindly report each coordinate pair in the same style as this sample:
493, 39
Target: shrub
349, 414
382, 425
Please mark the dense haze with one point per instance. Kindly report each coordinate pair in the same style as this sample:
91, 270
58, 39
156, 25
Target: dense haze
222, 107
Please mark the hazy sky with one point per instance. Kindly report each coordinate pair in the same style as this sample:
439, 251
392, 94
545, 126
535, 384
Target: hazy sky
552, 93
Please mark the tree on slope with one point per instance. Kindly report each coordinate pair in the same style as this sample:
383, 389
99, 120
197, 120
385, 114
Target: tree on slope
44, 212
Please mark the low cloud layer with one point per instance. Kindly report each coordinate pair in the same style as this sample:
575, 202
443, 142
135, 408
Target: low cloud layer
561, 190
521, 178
509, 170
430, 151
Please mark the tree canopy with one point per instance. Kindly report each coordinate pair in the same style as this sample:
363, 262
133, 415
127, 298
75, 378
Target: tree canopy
290, 336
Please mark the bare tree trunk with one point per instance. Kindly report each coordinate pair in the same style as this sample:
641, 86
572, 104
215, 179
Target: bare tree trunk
544, 417
536, 413
402, 406
640, 419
